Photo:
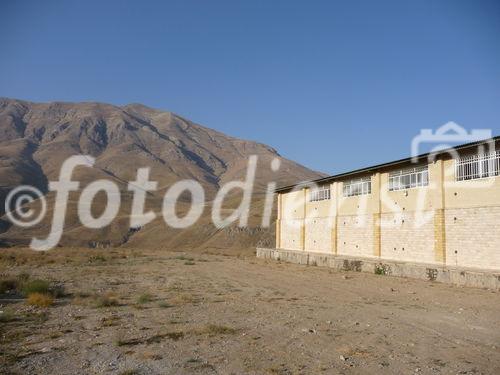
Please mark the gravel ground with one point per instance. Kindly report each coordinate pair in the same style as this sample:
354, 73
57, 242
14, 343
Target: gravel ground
159, 312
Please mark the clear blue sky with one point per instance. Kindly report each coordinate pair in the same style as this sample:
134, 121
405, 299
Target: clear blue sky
332, 85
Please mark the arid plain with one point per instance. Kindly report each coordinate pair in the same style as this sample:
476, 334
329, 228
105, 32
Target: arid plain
131, 311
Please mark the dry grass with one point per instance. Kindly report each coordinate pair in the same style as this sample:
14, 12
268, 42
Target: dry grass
215, 329
106, 300
183, 299
40, 299
164, 305
129, 372
8, 284
144, 298
7, 316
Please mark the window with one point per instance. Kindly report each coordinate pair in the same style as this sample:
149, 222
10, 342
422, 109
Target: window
320, 193
360, 186
409, 178
472, 167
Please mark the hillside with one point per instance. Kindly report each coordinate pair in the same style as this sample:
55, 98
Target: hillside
35, 139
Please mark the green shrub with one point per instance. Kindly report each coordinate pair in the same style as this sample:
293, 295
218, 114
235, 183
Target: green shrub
380, 269
7, 284
35, 286
145, 298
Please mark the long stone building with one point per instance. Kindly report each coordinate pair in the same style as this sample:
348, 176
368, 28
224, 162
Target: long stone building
437, 209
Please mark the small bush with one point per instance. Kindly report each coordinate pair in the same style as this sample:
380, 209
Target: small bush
105, 301
189, 263
129, 372
214, 329
144, 298
23, 277
381, 269
7, 284
183, 257
7, 316
164, 305
40, 299
36, 286
97, 258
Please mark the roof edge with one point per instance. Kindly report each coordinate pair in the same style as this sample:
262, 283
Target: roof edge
385, 165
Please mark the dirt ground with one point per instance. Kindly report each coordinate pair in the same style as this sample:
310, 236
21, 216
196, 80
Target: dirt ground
129, 312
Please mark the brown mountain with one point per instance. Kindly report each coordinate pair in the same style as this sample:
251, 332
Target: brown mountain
35, 138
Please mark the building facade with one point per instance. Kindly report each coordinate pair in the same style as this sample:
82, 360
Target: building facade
441, 208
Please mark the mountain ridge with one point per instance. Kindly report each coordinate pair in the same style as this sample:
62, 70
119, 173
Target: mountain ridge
35, 139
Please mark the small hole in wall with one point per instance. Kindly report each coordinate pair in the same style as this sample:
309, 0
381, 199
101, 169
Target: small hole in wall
402, 221
344, 242
456, 252
394, 249
357, 246
455, 193
404, 208
403, 249
455, 218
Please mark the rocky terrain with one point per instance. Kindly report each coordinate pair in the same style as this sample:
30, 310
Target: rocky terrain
35, 138
135, 311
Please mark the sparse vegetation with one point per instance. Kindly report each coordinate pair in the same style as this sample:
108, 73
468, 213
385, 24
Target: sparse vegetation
183, 257
110, 321
182, 299
35, 286
380, 269
129, 372
8, 284
215, 329
189, 263
164, 305
97, 259
105, 300
144, 298
7, 316
40, 299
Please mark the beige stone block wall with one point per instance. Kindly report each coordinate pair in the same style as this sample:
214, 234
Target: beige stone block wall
408, 237
355, 235
292, 205
291, 234
473, 237
318, 234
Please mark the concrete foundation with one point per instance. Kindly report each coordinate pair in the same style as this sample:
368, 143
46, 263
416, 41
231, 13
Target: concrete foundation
469, 277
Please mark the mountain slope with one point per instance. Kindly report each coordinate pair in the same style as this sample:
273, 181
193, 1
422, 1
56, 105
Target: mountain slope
36, 138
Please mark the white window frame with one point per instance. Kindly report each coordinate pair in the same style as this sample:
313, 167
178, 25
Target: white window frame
409, 178
320, 193
358, 186
478, 166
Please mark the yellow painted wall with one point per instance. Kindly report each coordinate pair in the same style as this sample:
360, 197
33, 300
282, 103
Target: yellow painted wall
446, 222
318, 233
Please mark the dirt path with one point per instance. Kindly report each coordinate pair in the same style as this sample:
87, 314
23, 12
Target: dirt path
211, 314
